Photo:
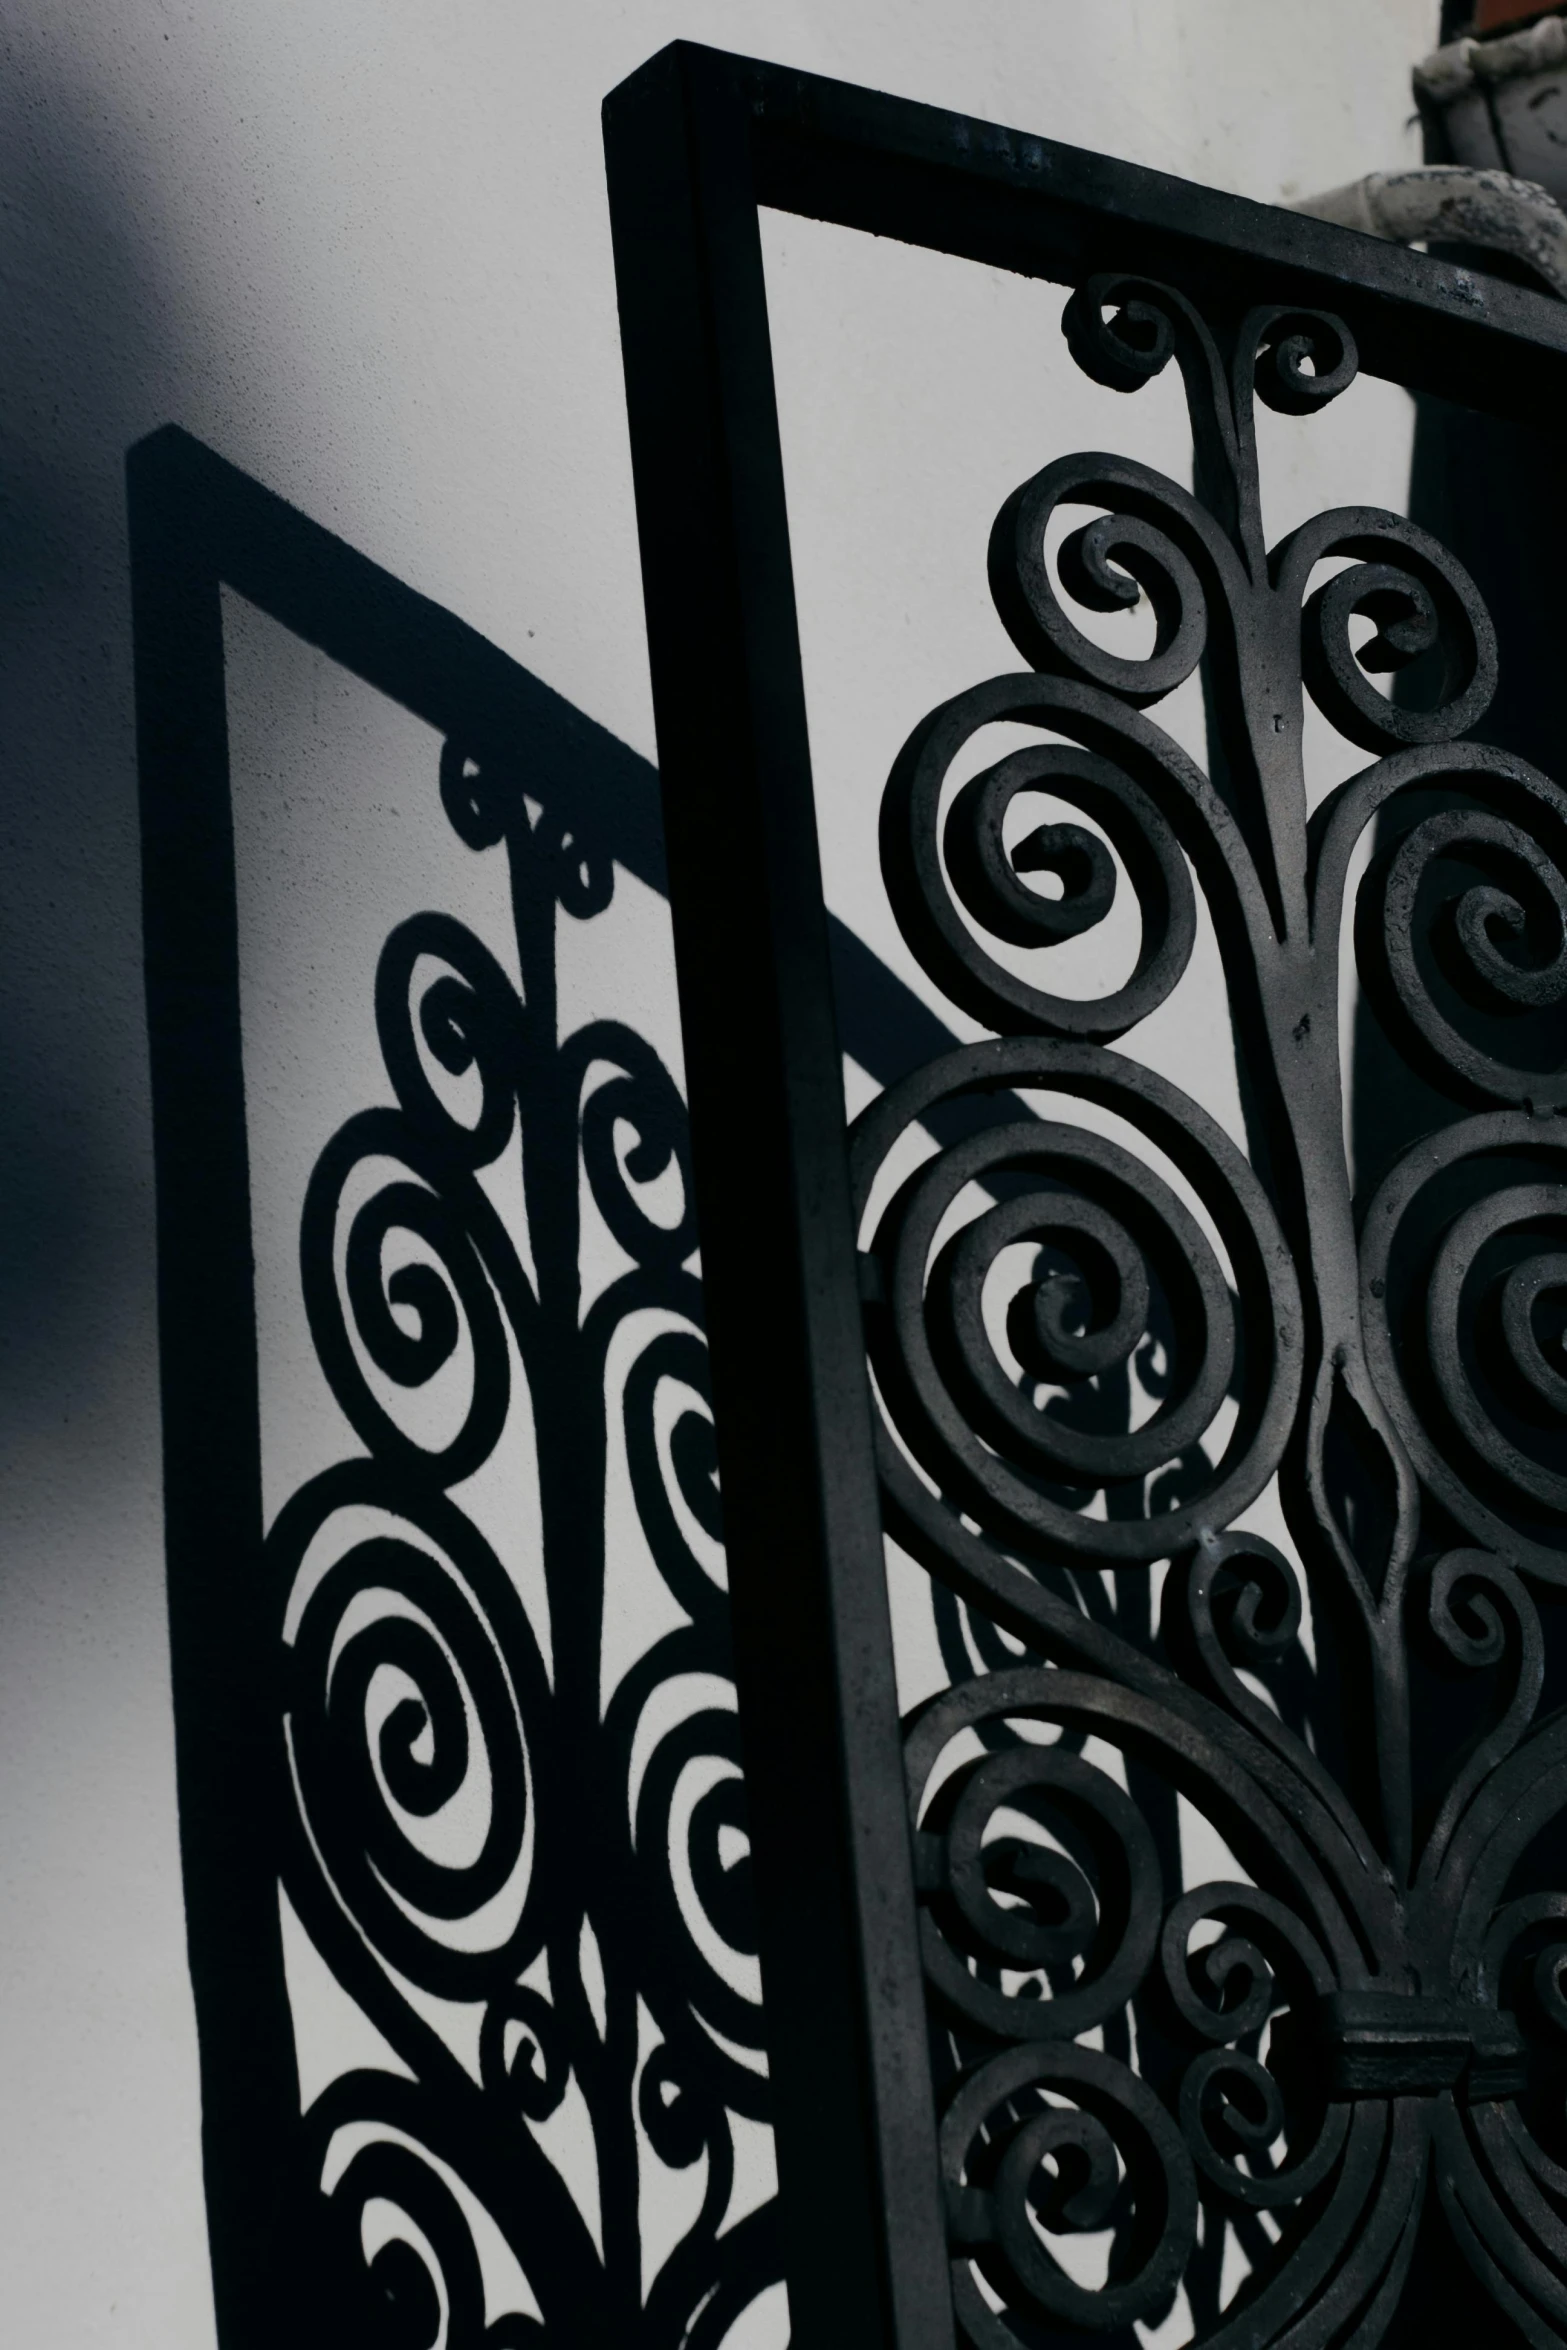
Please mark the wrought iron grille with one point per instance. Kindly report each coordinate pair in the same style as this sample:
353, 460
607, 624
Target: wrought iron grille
990, 2042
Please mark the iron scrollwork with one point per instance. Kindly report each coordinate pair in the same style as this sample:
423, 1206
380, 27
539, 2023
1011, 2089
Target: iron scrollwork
1098, 1332
528, 1874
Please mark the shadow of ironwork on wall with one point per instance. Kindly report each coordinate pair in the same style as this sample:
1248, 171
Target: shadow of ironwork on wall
402, 1775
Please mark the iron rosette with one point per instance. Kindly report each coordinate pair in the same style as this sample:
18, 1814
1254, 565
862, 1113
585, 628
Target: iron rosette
1098, 1330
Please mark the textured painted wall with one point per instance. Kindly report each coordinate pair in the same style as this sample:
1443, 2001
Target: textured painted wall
361, 250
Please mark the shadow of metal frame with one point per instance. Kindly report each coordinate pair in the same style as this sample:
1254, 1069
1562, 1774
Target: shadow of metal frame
198, 525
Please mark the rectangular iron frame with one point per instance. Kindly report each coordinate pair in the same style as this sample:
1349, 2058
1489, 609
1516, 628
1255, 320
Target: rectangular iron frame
697, 142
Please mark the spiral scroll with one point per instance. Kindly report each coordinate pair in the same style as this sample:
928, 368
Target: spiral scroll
1462, 936
1422, 602
1465, 1304
1154, 539
937, 865
1113, 1233
1087, 1901
1112, 2143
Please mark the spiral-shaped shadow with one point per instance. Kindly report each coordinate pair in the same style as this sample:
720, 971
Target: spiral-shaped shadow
426, 1278
414, 1701
673, 1460
409, 1321
466, 1017
523, 2055
694, 1898
634, 1131
423, 2283
1108, 1236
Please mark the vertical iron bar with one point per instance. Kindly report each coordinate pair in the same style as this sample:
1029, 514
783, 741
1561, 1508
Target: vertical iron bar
854, 2112
221, 1632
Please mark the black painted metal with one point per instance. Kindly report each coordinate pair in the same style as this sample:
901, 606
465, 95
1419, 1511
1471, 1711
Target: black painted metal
1380, 2017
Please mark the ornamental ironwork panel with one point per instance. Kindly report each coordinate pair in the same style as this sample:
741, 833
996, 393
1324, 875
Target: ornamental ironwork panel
1004, 2027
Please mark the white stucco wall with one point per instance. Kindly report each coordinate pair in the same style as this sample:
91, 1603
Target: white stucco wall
360, 248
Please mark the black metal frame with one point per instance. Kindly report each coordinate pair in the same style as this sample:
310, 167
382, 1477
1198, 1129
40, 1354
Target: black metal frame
696, 142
